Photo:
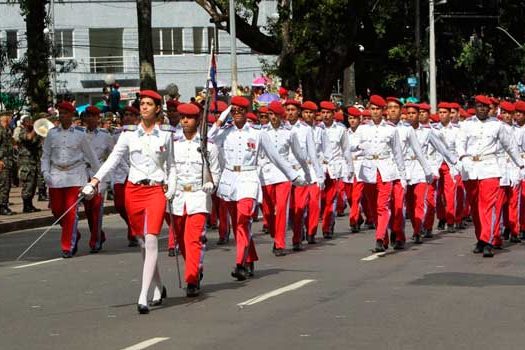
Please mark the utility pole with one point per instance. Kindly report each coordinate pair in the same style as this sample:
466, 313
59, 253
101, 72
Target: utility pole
53, 58
233, 47
432, 58
418, 47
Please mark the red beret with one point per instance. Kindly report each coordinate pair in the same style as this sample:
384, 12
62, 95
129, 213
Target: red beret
424, 106
444, 105
251, 116
292, 102
283, 91
327, 105
188, 109
218, 106
366, 113
211, 118
354, 112
93, 110
378, 101
132, 110
276, 107
339, 116
309, 105
151, 94
393, 99
66, 106
483, 100
520, 106
172, 103
240, 101
494, 101
263, 109
454, 105
434, 118
412, 105
471, 111
403, 110
507, 106
198, 105
463, 113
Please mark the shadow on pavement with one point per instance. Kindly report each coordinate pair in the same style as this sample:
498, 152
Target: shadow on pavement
460, 279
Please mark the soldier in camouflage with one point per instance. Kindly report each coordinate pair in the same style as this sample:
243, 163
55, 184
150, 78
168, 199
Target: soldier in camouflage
6, 163
29, 147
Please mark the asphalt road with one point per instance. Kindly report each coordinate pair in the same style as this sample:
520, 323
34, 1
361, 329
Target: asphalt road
434, 296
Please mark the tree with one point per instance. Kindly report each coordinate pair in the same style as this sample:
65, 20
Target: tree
146, 60
314, 40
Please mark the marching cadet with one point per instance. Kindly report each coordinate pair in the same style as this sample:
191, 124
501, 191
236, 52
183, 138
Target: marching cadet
411, 150
130, 118
6, 163
519, 120
276, 187
417, 180
65, 160
29, 147
192, 201
151, 182
448, 175
354, 186
461, 210
321, 145
477, 146
262, 114
381, 147
102, 144
337, 165
300, 195
239, 185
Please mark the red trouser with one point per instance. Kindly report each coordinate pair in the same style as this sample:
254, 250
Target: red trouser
522, 206
61, 199
331, 191
215, 204
354, 192
224, 228
483, 197
340, 201
119, 199
510, 209
241, 216
172, 234
94, 213
313, 208
397, 219
378, 196
190, 231
416, 196
299, 199
430, 203
446, 195
501, 198
460, 199
274, 208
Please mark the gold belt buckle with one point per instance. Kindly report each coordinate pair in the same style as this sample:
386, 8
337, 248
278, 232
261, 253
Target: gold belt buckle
414, 157
236, 168
375, 156
476, 158
187, 188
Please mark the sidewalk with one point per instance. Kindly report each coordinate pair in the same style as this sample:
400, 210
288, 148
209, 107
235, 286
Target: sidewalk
23, 221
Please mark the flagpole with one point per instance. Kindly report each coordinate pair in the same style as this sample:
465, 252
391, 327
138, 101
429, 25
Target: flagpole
233, 48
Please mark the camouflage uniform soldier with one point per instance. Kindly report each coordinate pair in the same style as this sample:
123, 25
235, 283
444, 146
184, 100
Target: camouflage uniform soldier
29, 147
6, 162
41, 183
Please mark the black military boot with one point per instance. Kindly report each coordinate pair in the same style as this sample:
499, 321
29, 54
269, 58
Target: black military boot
42, 196
28, 206
4, 210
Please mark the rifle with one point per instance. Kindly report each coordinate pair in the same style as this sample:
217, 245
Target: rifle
203, 149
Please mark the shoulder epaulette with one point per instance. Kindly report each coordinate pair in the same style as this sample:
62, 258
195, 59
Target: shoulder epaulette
129, 128
455, 125
365, 122
286, 126
226, 126
321, 125
303, 123
390, 123
117, 131
255, 126
167, 127
426, 126
80, 128
104, 130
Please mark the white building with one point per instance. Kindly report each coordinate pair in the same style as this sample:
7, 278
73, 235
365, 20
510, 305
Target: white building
101, 38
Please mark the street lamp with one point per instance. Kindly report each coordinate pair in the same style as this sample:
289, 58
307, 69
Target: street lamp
51, 33
511, 37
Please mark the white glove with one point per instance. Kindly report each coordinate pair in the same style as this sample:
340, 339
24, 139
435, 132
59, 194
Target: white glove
321, 185
403, 183
299, 181
208, 188
170, 193
429, 178
225, 114
522, 173
89, 191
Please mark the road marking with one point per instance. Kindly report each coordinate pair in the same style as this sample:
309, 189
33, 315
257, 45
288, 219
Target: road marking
146, 343
275, 293
37, 263
374, 256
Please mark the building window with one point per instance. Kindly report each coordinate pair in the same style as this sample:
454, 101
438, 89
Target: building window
64, 43
12, 44
211, 35
198, 40
167, 41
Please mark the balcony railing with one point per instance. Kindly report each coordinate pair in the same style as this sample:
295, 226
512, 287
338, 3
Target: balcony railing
114, 64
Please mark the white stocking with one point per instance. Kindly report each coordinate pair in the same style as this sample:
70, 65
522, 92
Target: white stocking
150, 254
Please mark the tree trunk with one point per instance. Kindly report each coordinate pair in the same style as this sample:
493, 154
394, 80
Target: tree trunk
147, 65
37, 71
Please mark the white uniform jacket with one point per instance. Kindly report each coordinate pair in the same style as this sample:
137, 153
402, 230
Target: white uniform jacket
411, 149
338, 163
305, 136
241, 148
66, 157
102, 144
286, 143
478, 147
120, 174
357, 159
381, 152
150, 155
188, 172
450, 135
322, 143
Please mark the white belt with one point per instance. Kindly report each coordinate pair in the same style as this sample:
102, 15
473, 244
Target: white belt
239, 168
377, 157
67, 167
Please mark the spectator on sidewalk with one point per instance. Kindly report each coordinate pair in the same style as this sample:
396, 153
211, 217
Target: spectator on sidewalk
6, 163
